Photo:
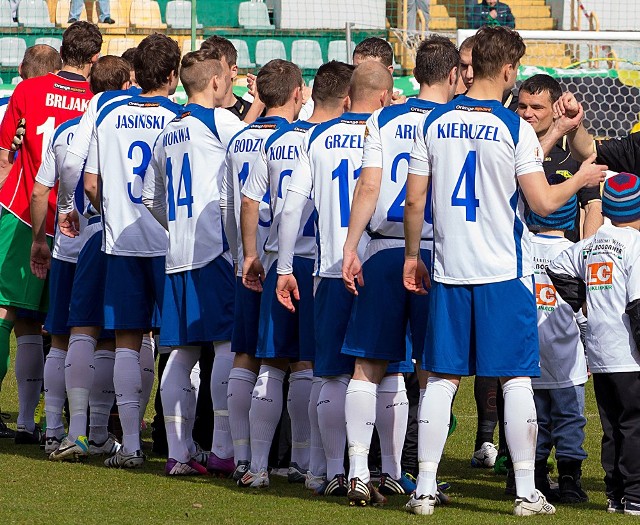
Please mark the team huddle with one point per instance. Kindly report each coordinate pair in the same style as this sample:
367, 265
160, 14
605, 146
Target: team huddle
344, 240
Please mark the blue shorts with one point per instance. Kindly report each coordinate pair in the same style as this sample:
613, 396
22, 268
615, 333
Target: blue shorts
487, 330
406, 366
198, 305
87, 297
246, 317
60, 284
332, 310
384, 311
134, 286
282, 334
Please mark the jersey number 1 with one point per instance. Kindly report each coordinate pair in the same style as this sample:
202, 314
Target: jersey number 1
342, 174
184, 182
468, 176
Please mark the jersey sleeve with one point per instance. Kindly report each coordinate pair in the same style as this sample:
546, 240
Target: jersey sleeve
587, 195
620, 154
153, 190
567, 272
15, 111
372, 157
301, 181
92, 165
420, 164
47, 172
79, 145
257, 183
633, 276
529, 156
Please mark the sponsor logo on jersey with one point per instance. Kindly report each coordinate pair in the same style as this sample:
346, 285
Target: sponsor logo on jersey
356, 122
600, 276
64, 102
144, 104
481, 109
546, 297
73, 89
263, 126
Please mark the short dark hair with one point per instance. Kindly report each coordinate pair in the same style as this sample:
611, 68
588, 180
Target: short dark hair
197, 69
109, 73
222, 47
435, 59
468, 43
81, 41
539, 83
331, 82
495, 47
129, 55
276, 81
39, 60
374, 47
157, 57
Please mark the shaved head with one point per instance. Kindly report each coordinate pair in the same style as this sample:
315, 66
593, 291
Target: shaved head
369, 79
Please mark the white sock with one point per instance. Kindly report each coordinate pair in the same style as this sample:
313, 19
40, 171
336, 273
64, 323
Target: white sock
54, 391
392, 414
195, 378
433, 427
239, 390
521, 432
177, 396
101, 396
29, 375
222, 444
147, 372
298, 408
317, 459
360, 412
265, 413
128, 386
331, 420
78, 373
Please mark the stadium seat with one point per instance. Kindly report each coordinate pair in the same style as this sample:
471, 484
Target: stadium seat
55, 43
186, 45
117, 46
244, 61
254, 15
6, 20
306, 54
119, 10
34, 13
146, 14
11, 51
16, 80
178, 14
268, 50
338, 50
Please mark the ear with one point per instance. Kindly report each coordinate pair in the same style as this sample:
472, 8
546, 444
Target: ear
234, 71
347, 103
126, 85
453, 76
95, 58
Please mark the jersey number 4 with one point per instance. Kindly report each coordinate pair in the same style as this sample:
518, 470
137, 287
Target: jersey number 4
468, 176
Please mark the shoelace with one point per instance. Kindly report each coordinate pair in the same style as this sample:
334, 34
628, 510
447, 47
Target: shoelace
5, 415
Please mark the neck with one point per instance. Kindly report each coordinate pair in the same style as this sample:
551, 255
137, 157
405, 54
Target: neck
322, 114
364, 106
84, 70
550, 232
229, 99
203, 99
437, 93
162, 91
486, 89
635, 224
286, 112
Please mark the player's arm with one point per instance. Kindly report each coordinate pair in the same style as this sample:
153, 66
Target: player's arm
593, 218
365, 197
154, 195
92, 188
10, 123
227, 210
566, 272
568, 120
633, 297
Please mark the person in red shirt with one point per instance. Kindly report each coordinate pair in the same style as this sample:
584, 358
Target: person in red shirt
44, 103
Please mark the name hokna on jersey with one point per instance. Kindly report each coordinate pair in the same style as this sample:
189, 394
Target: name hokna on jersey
175, 136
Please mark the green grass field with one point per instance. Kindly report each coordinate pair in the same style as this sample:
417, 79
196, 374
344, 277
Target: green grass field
36, 491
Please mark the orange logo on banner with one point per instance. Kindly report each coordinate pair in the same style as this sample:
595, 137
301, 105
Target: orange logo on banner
546, 295
600, 273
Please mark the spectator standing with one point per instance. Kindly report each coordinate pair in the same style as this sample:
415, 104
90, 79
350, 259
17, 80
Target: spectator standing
76, 11
490, 12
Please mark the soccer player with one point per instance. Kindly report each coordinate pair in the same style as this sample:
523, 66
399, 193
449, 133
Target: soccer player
286, 340
377, 335
182, 190
71, 372
44, 102
243, 152
329, 165
134, 242
495, 154
38, 60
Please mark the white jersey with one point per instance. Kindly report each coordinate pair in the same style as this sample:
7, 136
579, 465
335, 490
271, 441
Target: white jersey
271, 175
330, 164
474, 151
609, 264
81, 142
186, 171
242, 154
120, 151
4, 103
562, 360
391, 132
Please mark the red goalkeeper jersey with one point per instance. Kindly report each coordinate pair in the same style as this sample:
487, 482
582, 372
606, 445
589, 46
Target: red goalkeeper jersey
44, 102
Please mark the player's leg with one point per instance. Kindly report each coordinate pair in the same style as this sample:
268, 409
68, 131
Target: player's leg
544, 443
6, 326
300, 383
147, 370
221, 457
102, 397
317, 473
484, 393
54, 394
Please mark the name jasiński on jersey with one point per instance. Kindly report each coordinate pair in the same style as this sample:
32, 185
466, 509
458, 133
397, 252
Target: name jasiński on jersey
140, 121
344, 141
